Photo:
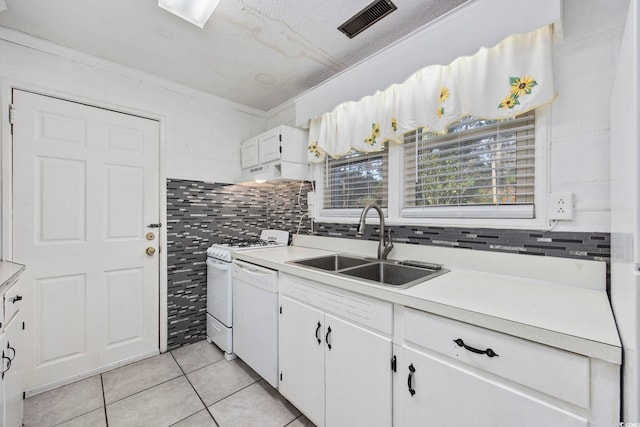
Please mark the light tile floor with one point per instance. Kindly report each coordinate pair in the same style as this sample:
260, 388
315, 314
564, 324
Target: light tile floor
192, 386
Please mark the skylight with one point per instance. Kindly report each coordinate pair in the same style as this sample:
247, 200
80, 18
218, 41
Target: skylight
196, 12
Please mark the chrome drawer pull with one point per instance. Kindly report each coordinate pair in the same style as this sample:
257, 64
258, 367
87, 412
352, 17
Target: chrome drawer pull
488, 352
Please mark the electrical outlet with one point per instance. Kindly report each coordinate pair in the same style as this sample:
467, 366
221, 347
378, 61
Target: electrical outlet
561, 206
311, 202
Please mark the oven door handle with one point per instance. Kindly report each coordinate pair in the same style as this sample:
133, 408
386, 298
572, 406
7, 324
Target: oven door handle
219, 266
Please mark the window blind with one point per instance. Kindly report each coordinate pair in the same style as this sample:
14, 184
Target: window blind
355, 180
477, 162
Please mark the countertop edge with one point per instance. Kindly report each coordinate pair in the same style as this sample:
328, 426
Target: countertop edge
9, 273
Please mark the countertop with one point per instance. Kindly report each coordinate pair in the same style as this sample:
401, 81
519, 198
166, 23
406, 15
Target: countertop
9, 273
572, 318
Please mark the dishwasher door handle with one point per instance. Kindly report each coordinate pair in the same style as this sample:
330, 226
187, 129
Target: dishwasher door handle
253, 272
245, 269
218, 266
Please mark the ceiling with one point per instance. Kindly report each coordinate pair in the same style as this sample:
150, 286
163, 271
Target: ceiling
260, 53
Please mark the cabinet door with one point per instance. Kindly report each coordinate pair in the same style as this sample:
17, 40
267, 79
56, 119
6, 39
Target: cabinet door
249, 154
301, 352
13, 349
269, 146
448, 395
3, 367
357, 375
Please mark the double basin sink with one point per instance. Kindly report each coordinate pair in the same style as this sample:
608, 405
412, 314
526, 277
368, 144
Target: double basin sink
398, 274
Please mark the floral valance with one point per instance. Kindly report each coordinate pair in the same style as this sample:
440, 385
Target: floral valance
508, 79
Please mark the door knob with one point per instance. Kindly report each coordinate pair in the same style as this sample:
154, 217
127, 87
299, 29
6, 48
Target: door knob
151, 250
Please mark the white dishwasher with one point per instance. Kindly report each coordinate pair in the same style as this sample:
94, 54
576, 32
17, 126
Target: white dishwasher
255, 318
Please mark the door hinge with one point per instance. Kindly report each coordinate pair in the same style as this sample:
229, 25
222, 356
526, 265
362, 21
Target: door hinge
280, 308
12, 113
24, 395
280, 376
23, 326
393, 363
280, 139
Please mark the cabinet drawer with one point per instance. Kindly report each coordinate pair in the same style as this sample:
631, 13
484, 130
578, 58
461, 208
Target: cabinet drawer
367, 311
555, 372
13, 300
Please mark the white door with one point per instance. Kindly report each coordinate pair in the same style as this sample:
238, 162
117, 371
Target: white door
301, 351
358, 376
85, 189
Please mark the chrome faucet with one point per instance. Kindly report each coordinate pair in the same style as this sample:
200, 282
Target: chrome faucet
383, 247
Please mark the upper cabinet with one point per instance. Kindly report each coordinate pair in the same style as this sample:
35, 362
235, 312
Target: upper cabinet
276, 155
250, 153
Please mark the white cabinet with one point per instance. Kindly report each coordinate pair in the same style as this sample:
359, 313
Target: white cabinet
335, 366
3, 367
301, 351
13, 377
436, 392
336, 351
269, 145
357, 375
278, 154
249, 154
455, 374
12, 356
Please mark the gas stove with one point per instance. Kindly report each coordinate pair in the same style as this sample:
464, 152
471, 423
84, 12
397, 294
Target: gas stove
268, 238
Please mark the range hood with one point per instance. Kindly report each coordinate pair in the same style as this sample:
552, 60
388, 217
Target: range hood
275, 172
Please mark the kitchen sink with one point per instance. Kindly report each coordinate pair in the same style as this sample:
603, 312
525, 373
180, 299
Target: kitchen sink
387, 272
401, 276
331, 262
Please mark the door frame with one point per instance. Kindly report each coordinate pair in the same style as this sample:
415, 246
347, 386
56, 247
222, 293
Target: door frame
6, 169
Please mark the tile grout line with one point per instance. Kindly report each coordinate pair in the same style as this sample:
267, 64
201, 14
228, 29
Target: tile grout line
196, 391
104, 401
78, 415
237, 391
294, 420
143, 390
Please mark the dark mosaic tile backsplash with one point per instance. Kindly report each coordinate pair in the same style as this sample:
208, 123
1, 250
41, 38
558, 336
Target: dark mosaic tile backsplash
200, 214
593, 246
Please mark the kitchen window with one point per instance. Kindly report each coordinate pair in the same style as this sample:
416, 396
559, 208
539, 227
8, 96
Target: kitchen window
353, 181
478, 169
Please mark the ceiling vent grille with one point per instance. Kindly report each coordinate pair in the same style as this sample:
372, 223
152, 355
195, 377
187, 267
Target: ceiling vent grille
367, 17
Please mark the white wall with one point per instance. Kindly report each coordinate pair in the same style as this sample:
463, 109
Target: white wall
201, 132
584, 65
585, 56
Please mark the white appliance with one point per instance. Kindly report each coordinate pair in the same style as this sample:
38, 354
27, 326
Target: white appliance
220, 287
625, 210
255, 318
